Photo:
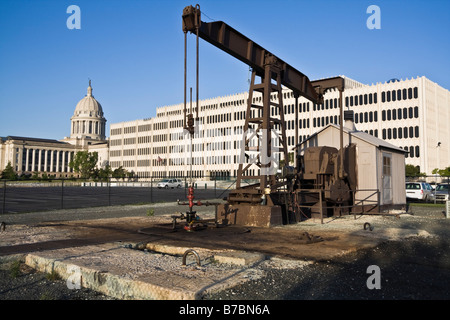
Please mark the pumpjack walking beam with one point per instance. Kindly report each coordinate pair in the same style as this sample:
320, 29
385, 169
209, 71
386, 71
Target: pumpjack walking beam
242, 48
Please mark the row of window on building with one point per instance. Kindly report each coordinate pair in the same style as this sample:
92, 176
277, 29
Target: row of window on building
411, 152
386, 96
387, 134
401, 133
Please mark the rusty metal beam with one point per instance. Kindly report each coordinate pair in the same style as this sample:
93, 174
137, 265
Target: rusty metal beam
322, 85
244, 49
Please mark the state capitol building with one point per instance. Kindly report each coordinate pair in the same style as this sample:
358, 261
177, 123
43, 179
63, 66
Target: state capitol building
413, 114
34, 155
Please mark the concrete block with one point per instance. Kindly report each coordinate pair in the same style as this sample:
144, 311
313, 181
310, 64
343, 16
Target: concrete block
240, 258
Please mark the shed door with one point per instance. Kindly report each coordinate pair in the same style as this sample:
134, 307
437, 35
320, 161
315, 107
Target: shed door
386, 191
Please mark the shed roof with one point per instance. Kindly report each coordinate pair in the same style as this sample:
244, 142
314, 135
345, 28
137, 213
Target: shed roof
377, 142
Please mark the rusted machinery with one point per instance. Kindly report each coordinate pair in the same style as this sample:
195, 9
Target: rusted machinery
321, 183
274, 196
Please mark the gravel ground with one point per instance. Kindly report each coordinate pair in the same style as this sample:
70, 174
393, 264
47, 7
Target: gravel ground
408, 269
416, 268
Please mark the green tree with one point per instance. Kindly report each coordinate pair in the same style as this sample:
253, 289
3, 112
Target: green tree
130, 175
84, 163
442, 172
119, 173
8, 173
104, 173
413, 171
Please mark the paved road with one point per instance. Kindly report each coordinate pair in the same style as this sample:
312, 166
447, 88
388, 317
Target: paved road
32, 199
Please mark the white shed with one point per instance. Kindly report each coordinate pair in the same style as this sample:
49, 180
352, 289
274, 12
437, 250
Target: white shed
380, 165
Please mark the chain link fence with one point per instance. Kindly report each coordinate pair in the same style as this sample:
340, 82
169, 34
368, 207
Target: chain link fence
431, 179
41, 195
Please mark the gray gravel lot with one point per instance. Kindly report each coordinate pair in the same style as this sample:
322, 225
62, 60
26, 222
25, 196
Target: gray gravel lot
416, 268
411, 269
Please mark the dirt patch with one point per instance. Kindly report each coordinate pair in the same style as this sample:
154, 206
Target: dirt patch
308, 241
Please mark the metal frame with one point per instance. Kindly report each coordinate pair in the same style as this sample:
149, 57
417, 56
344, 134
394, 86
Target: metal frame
356, 203
270, 190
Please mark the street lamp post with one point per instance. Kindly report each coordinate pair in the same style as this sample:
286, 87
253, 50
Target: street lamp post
435, 186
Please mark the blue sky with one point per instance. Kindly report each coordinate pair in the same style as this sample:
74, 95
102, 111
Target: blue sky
132, 50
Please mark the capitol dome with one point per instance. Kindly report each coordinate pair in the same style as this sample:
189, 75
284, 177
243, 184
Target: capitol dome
88, 105
88, 121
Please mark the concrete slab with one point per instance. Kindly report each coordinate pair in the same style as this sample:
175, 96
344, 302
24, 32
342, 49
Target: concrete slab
124, 273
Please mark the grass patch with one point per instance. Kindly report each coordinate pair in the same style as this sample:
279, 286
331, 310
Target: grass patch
427, 205
52, 276
14, 269
46, 296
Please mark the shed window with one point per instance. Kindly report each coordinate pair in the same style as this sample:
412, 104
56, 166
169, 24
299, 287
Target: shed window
386, 166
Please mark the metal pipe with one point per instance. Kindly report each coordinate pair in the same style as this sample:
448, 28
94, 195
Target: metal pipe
62, 193
196, 106
4, 197
296, 130
109, 191
185, 78
192, 134
341, 137
151, 189
194, 253
368, 226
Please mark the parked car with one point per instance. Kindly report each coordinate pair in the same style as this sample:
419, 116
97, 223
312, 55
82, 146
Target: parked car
419, 191
170, 183
442, 192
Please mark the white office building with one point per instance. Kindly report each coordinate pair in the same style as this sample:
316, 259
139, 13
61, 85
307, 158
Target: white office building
413, 114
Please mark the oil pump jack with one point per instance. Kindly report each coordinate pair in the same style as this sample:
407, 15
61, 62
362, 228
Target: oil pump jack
272, 198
